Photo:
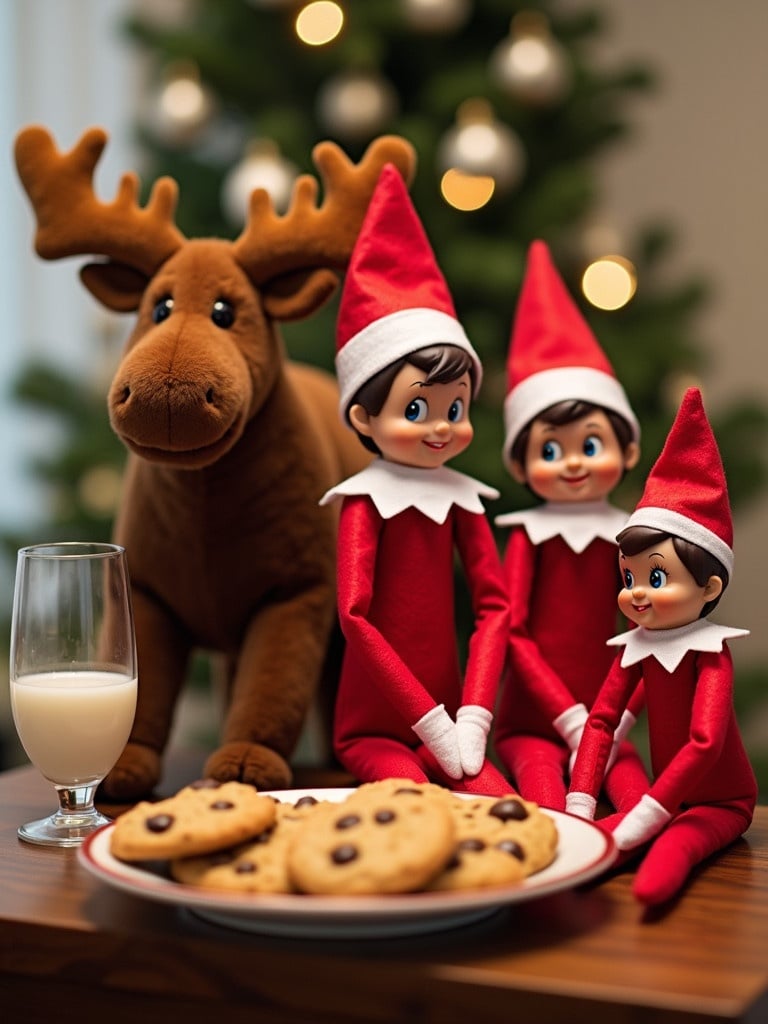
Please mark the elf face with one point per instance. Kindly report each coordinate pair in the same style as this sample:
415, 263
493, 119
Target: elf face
577, 461
659, 592
420, 424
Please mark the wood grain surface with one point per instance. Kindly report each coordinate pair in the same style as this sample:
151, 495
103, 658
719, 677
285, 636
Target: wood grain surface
74, 949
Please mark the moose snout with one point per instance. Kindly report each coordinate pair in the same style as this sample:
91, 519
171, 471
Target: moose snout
177, 417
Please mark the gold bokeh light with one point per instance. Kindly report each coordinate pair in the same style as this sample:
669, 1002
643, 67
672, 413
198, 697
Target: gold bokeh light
319, 22
609, 282
466, 191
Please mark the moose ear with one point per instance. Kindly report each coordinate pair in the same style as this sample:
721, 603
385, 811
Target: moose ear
116, 285
294, 296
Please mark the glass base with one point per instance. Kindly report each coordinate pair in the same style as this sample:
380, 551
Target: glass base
63, 828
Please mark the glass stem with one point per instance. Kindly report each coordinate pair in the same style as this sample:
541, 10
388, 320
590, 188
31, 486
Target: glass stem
75, 803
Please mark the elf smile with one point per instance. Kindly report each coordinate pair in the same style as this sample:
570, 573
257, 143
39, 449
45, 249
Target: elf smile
435, 445
573, 480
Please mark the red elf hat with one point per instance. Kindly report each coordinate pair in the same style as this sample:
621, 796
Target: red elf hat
553, 355
395, 299
686, 493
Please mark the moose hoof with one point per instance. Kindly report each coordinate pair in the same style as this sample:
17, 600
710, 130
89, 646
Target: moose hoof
249, 762
135, 775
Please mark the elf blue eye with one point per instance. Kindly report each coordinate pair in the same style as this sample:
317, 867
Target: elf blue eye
456, 411
629, 579
416, 411
657, 579
592, 446
551, 451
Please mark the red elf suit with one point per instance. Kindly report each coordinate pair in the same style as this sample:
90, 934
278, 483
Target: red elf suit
560, 561
402, 708
704, 790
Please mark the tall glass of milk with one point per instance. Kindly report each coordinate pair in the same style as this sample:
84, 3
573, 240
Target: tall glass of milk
72, 676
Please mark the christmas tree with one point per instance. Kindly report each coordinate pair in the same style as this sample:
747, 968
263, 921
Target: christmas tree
509, 116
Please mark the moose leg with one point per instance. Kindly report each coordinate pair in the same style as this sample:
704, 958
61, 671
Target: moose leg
275, 680
163, 651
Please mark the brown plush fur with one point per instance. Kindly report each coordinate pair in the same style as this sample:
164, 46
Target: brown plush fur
231, 448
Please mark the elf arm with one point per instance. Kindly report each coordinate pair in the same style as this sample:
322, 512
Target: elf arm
488, 643
711, 714
529, 671
359, 530
597, 739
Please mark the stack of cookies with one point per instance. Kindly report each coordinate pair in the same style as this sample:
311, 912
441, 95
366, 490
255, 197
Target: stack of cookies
393, 836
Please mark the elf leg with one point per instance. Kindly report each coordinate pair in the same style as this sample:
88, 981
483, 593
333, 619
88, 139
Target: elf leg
691, 837
375, 757
627, 779
537, 767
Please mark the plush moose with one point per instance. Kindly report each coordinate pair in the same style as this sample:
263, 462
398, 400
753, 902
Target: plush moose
230, 444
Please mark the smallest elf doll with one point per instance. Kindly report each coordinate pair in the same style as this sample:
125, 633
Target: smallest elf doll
676, 559
407, 374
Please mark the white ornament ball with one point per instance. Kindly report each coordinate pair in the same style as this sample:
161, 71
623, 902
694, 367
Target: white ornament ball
263, 166
532, 67
481, 145
436, 15
356, 104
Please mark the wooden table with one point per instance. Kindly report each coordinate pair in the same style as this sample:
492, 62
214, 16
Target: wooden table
74, 949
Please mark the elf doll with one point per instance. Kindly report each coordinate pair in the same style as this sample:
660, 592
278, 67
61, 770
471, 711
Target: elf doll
407, 374
676, 559
570, 437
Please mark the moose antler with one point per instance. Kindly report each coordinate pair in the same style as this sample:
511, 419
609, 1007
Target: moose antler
71, 221
308, 235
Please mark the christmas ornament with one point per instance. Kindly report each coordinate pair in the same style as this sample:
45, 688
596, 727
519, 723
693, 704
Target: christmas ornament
263, 166
436, 15
609, 282
530, 64
183, 108
479, 144
357, 104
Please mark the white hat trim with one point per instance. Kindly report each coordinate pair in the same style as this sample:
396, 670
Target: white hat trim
681, 526
383, 341
536, 393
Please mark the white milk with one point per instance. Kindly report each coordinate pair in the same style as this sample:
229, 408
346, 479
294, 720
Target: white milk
73, 725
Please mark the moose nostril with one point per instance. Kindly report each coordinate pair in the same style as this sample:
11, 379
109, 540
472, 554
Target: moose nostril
125, 395
209, 396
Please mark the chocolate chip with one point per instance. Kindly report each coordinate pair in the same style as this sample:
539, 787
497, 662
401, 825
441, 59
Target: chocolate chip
384, 816
510, 846
245, 867
159, 822
472, 843
344, 854
348, 821
222, 805
305, 801
508, 809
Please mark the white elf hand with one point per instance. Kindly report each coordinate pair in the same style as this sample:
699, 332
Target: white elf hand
646, 819
621, 733
570, 727
473, 723
437, 731
582, 805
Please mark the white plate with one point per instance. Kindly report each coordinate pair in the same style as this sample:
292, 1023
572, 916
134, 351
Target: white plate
584, 851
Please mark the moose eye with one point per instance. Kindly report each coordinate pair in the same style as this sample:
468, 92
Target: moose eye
223, 313
163, 309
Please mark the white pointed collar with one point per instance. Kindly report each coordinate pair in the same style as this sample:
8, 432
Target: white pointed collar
577, 522
393, 488
669, 646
